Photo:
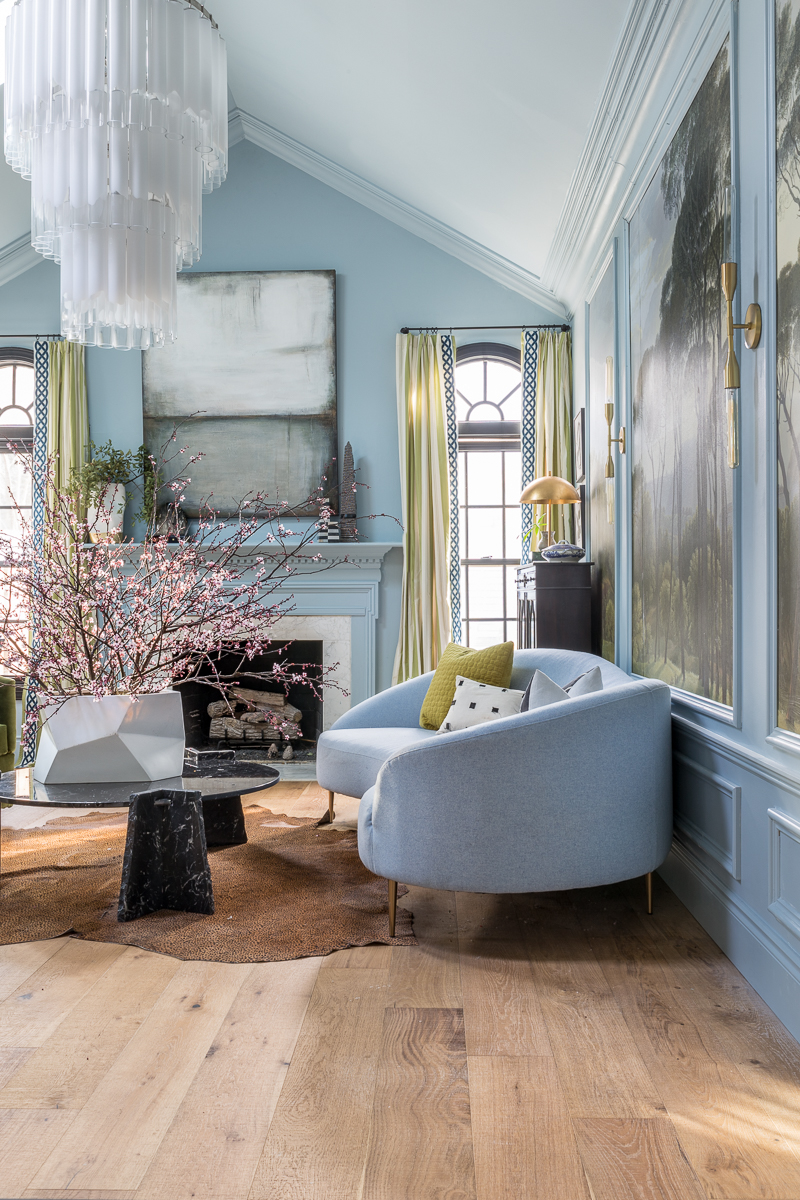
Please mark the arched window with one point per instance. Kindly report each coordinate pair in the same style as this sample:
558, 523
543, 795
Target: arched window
17, 395
488, 409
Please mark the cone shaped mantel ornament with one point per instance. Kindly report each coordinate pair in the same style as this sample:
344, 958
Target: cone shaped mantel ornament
347, 498
117, 112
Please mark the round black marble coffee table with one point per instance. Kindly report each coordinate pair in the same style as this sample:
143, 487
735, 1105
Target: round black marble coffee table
222, 783
165, 863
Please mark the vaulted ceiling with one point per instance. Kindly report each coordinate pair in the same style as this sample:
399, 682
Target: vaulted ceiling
472, 113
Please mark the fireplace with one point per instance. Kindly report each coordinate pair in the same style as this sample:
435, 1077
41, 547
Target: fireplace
197, 696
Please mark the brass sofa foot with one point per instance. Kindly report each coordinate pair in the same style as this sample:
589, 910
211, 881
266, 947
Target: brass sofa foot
648, 879
392, 905
329, 816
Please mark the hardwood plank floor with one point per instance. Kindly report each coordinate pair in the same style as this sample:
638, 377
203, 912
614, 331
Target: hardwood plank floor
557, 1047
421, 1136
524, 1138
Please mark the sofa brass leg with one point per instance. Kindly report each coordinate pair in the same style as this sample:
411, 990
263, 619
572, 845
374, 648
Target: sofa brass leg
392, 905
648, 879
329, 816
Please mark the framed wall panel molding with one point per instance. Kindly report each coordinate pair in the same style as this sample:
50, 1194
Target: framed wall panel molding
741, 756
712, 819
784, 869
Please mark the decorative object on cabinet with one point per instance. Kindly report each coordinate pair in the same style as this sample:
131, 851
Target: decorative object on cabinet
751, 326
252, 382
549, 489
554, 606
348, 531
563, 552
579, 444
110, 93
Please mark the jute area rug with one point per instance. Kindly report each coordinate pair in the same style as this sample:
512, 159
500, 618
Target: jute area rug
294, 890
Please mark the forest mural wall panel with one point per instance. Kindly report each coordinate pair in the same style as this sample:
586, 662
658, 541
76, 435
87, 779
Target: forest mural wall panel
682, 590
787, 20
601, 346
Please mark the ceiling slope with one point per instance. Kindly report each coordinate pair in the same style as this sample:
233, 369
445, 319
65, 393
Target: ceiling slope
460, 120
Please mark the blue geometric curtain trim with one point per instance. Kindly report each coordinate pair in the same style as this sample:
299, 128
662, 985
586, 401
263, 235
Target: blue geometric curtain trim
448, 358
41, 354
530, 368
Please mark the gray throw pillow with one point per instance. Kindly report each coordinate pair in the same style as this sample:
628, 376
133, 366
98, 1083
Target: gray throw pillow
540, 691
590, 681
474, 703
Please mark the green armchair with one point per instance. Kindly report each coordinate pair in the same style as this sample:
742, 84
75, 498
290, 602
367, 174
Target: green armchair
8, 723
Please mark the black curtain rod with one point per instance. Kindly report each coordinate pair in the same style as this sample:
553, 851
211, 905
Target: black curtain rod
31, 335
450, 328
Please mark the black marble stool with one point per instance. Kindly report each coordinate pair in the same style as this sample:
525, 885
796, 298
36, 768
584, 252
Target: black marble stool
165, 863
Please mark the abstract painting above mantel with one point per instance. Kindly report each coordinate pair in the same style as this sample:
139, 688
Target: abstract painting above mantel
682, 591
252, 381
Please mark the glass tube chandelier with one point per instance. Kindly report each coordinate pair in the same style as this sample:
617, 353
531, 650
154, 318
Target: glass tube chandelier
117, 112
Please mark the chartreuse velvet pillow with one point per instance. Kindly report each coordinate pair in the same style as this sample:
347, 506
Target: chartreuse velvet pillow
492, 665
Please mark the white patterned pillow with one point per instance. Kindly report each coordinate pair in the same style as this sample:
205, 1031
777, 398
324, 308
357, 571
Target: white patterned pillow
474, 703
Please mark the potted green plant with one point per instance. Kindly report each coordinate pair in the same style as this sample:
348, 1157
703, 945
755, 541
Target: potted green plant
101, 487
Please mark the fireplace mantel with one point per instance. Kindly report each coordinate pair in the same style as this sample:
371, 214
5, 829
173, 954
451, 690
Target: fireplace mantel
344, 581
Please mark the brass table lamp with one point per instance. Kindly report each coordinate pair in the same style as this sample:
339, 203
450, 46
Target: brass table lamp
550, 489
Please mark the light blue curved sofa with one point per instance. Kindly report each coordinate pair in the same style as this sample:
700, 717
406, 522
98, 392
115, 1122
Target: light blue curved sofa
571, 795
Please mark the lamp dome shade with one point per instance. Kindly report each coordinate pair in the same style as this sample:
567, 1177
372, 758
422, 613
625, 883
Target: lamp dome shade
550, 489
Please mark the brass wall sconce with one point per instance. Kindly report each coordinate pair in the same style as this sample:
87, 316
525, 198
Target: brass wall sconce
751, 326
620, 441
549, 489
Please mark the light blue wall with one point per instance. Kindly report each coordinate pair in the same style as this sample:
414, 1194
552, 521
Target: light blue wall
736, 856
270, 216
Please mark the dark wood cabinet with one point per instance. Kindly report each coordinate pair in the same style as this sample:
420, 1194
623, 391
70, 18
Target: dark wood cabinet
554, 606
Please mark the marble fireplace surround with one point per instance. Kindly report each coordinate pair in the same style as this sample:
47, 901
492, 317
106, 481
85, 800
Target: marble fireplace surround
339, 606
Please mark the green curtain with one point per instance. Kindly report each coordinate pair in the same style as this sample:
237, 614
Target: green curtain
67, 410
554, 419
422, 426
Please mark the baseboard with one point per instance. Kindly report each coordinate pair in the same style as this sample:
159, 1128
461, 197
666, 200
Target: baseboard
768, 962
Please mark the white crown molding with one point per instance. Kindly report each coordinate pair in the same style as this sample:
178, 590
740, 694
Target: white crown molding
649, 80
16, 258
502, 270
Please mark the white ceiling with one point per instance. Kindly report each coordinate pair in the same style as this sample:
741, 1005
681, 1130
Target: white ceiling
473, 112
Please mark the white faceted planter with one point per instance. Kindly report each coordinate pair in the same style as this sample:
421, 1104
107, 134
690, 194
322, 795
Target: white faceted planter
113, 740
